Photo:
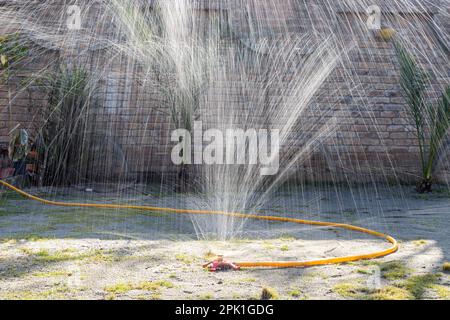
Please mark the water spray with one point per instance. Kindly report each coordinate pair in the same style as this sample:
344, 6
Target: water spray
220, 263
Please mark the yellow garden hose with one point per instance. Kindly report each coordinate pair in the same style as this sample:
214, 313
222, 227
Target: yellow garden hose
251, 264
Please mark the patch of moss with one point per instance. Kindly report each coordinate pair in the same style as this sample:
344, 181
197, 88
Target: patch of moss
442, 292
350, 290
57, 256
27, 251
154, 285
155, 296
110, 296
364, 271
121, 288
45, 256
267, 245
8, 241
99, 256
206, 296
24, 295
368, 263
58, 292
394, 270
417, 285
284, 248
269, 294
50, 274
420, 242
184, 258
295, 293
391, 293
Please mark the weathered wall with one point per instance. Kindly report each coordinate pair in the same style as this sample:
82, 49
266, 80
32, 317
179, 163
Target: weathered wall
374, 137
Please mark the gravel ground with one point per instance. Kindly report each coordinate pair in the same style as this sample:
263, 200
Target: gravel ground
67, 253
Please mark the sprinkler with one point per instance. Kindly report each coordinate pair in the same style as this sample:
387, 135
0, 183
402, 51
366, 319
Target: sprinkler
220, 264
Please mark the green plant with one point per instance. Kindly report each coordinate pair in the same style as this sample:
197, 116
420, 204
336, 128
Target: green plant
63, 137
12, 51
431, 122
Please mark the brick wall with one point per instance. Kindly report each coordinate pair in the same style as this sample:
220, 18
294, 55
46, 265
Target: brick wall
373, 138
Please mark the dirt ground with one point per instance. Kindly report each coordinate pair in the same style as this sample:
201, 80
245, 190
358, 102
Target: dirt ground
64, 253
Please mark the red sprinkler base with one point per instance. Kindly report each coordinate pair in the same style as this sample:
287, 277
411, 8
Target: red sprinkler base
220, 264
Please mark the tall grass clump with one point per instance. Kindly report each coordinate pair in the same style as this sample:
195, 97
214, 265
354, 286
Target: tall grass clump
63, 135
